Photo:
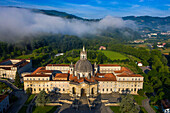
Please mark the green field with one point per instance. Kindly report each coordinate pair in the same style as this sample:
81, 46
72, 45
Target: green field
29, 99
139, 99
142, 109
115, 109
25, 56
114, 55
44, 109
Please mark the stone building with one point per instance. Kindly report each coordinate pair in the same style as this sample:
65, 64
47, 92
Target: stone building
4, 103
9, 67
83, 78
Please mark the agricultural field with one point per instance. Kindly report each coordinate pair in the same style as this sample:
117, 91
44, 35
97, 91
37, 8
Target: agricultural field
114, 55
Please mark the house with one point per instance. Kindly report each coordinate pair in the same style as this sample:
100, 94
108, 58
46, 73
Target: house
59, 54
165, 105
140, 64
4, 103
102, 48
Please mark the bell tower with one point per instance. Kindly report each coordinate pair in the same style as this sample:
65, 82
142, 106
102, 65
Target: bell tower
83, 54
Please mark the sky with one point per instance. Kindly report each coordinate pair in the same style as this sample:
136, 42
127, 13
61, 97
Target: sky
94, 9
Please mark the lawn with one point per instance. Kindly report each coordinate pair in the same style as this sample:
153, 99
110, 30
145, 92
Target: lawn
23, 109
44, 109
142, 109
25, 56
114, 55
29, 99
134, 58
139, 99
115, 109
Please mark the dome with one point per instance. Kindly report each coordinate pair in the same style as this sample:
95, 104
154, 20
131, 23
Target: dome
83, 66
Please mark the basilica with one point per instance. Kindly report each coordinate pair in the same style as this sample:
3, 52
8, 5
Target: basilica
83, 78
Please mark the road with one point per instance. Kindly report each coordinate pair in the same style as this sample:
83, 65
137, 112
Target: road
12, 86
22, 97
31, 105
146, 105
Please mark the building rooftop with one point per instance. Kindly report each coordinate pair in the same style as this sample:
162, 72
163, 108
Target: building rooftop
2, 97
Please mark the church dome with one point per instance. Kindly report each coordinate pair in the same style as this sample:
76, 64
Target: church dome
83, 66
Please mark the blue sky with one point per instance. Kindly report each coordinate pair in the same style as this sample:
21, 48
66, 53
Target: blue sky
98, 8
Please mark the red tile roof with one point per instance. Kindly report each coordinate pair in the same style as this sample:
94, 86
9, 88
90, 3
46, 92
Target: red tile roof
85, 79
2, 97
107, 77
61, 75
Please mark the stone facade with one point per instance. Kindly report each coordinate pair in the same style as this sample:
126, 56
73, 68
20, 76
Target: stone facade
84, 79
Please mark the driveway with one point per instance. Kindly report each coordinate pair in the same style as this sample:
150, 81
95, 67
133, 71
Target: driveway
146, 105
12, 86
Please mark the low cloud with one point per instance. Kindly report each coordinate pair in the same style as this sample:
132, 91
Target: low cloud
15, 22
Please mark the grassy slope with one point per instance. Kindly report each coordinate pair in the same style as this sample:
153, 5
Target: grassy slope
44, 109
24, 107
114, 55
139, 99
115, 109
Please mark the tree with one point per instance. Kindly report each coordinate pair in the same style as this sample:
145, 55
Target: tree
28, 91
148, 88
17, 80
42, 98
128, 105
141, 92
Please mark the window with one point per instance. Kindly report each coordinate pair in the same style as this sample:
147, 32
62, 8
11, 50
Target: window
39, 89
106, 89
47, 89
63, 89
27, 78
34, 89
135, 89
131, 89
111, 89
103, 89
119, 78
139, 79
135, 78
39, 85
47, 79
38, 78
33, 78
47, 85
30, 79
123, 78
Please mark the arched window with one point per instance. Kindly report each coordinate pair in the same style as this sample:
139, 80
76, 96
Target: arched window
73, 90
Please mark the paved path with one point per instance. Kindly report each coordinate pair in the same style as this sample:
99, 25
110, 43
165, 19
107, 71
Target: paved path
31, 105
12, 86
146, 105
